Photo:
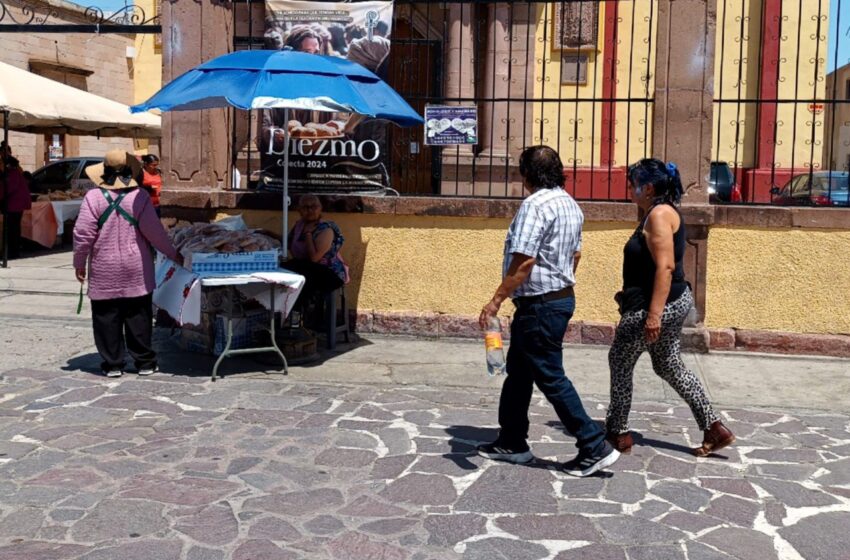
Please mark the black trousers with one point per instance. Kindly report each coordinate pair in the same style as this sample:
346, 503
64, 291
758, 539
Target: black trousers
124, 320
319, 279
14, 220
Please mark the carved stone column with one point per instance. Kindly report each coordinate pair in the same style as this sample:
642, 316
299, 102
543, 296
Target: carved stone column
195, 144
498, 71
684, 90
460, 57
459, 84
683, 117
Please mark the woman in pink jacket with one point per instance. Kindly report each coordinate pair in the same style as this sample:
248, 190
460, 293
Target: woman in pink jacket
113, 234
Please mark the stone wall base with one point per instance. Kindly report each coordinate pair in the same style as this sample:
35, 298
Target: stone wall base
699, 339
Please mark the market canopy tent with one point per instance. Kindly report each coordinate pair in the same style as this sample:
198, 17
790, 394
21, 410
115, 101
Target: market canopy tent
32, 103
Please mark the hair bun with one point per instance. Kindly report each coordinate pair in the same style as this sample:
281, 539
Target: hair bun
672, 169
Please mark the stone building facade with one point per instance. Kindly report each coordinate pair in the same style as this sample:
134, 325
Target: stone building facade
95, 63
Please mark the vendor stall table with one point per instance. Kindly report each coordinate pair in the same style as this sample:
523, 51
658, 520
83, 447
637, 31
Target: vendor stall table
65, 210
45, 221
178, 293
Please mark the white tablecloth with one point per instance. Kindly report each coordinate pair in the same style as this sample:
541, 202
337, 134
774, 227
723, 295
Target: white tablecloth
65, 210
178, 291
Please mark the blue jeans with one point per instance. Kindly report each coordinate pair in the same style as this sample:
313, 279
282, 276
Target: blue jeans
535, 356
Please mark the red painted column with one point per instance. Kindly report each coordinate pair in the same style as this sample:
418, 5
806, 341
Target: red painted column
609, 83
771, 29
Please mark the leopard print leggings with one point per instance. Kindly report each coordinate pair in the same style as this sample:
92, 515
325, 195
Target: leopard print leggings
630, 343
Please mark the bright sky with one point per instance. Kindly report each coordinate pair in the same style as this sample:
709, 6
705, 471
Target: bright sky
105, 5
839, 34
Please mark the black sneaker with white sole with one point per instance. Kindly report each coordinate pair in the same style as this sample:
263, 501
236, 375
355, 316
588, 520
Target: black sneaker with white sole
587, 464
497, 452
148, 370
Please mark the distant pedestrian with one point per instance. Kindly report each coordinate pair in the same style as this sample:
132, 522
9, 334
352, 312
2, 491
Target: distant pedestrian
542, 252
152, 179
654, 303
112, 238
14, 199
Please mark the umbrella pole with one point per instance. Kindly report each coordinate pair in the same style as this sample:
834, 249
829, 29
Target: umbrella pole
285, 235
5, 193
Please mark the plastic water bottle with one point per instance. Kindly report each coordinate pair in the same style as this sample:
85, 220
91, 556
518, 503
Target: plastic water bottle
495, 349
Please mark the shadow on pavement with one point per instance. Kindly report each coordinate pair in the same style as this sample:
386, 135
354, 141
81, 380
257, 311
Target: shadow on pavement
186, 364
641, 440
87, 363
464, 439
323, 354
678, 448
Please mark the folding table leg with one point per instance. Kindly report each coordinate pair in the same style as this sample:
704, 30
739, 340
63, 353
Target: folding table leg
226, 351
274, 340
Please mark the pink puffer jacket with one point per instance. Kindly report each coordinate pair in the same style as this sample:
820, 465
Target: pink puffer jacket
119, 254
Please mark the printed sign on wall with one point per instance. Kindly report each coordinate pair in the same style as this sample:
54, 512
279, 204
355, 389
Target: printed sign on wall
451, 125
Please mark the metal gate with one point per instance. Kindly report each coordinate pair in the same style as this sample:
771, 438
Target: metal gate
573, 74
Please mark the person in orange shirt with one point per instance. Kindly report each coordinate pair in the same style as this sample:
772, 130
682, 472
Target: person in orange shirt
152, 179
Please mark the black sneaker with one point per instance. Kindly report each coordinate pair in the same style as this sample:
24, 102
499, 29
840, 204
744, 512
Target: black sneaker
497, 452
586, 465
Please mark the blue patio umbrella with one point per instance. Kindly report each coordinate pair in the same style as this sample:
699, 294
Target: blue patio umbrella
266, 79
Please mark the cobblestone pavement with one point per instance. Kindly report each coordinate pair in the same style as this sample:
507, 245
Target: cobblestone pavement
267, 468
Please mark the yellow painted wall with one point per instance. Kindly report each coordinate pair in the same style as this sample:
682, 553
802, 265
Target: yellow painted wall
575, 127
453, 265
737, 61
800, 82
635, 56
736, 76
792, 280
147, 66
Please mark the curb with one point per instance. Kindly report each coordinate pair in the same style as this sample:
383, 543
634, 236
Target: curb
695, 339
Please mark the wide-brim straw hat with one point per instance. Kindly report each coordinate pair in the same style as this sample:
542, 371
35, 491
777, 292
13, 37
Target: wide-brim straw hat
118, 171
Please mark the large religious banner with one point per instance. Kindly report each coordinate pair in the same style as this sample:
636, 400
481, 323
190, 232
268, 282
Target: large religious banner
328, 152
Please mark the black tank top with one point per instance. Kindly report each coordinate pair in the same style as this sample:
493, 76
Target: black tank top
639, 267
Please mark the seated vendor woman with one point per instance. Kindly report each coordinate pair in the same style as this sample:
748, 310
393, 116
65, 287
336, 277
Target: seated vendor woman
314, 244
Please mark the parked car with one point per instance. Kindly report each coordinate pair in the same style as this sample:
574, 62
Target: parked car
63, 175
721, 184
820, 188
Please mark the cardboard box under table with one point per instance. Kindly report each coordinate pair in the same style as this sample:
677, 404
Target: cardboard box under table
178, 292
250, 327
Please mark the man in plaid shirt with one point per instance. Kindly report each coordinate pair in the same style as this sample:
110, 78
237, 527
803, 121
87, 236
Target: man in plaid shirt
542, 251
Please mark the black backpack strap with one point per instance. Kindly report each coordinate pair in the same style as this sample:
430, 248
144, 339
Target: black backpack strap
115, 206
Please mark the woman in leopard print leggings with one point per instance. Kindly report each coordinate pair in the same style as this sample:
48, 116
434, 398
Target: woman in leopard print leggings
654, 303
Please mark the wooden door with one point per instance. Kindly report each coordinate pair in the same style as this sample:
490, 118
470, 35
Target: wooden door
415, 72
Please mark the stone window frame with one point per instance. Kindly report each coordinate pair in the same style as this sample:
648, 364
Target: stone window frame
569, 78
589, 39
